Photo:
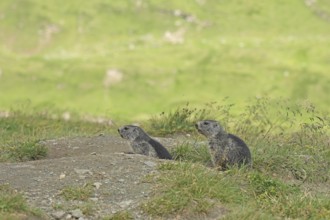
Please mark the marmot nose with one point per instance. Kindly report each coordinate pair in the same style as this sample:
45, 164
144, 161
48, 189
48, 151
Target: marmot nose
118, 130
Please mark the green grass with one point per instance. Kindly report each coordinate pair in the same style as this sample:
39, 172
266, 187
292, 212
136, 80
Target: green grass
180, 120
190, 188
82, 193
184, 118
289, 178
193, 187
189, 152
21, 133
13, 205
87, 208
25, 151
121, 215
286, 139
58, 56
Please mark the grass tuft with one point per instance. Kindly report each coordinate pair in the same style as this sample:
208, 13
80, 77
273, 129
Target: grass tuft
183, 119
13, 203
30, 150
121, 215
82, 193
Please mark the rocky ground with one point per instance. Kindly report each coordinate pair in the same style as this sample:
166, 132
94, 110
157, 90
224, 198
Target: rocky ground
117, 178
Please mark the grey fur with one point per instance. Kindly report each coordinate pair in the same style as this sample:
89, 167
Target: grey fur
226, 149
142, 143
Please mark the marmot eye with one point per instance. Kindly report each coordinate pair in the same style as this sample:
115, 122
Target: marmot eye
206, 123
126, 128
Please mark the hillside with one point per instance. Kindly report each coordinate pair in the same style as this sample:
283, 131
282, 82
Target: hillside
159, 54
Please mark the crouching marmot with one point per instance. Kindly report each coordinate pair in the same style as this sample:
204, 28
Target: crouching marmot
142, 143
226, 149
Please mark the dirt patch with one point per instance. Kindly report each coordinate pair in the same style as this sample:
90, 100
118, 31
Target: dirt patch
118, 179
96, 145
83, 146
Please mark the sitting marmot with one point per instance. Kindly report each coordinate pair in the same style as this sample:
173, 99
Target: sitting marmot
142, 143
226, 149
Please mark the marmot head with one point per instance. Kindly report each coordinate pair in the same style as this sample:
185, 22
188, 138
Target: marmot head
130, 132
209, 128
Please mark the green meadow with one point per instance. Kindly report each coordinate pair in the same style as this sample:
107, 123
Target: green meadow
55, 56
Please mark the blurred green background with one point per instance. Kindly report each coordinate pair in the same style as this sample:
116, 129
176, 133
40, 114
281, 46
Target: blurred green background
130, 59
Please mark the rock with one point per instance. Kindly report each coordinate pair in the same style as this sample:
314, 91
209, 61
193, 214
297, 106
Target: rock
125, 204
62, 176
58, 214
83, 171
150, 163
97, 185
94, 199
77, 213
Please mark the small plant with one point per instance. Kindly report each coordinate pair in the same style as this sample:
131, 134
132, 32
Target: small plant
181, 120
265, 187
31, 150
121, 215
87, 208
78, 192
12, 202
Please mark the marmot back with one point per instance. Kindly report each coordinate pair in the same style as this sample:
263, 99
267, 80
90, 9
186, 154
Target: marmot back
226, 149
141, 143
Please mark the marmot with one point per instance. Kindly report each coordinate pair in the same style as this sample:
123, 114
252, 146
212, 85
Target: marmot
226, 149
142, 143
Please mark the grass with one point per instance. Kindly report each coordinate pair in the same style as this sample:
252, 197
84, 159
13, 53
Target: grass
77, 197
21, 133
13, 205
285, 138
191, 188
233, 49
121, 215
183, 119
188, 152
25, 151
82, 193
289, 177
87, 208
